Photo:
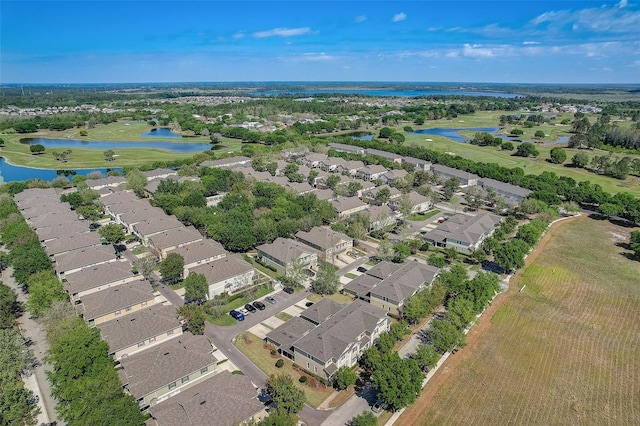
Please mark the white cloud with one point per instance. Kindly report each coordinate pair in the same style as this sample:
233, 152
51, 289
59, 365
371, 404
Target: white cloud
360, 18
282, 32
622, 4
399, 17
600, 20
317, 57
238, 35
527, 43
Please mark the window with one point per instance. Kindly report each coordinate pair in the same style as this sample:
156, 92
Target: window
204, 370
118, 312
307, 365
128, 309
152, 339
169, 333
315, 369
185, 379
141, 344
172, 385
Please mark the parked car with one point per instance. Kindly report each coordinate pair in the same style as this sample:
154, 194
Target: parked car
237, 315
308, 304
361, 269
249, 307
377, 407
259, 305
288, 290
270, 300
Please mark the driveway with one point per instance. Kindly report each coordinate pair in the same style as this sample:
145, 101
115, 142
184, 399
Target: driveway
222, 337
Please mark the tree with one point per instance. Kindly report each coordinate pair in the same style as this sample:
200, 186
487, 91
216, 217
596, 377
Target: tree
558, 155
109, 155
196, 288
44, 288
285, 394
436, 260
580, 159
194, 316
366, 418
426, 357
344, 377
398, 381
36, 149
326, 281
405, 206
634, 243
8, 306
400, 252
383, 195
474, 197
460, 312
332, 181
145, 266
517, 132
172, 267
526, 149
511, 255
445, 336
450, 187
112, 233
136, 181
507, 146
539, 134
385, 132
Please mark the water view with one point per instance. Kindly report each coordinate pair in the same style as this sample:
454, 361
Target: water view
373, 92
161, 132
455, 136
182, 147
11, 173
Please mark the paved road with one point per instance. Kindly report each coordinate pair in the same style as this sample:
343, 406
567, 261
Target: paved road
37, 382
361, 401
222, 338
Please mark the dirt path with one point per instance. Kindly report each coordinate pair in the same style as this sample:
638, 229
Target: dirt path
449, 369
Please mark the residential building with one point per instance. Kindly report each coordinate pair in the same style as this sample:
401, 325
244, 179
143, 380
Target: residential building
227, 162
110, 303
147, 229
380, 217
162, 243
341, 147
419, 165
419, 203
370, 196
108, 182
62, 229
444, 173
350, 167
372, 172
390, 156
167, 369
346, 206
313, 159
221, 400
71, 242
326, 241
137, 331
96, 278
394, 175
462, 232
73, 261
505, 190
227, 275
285, 254
199, 253
337, 341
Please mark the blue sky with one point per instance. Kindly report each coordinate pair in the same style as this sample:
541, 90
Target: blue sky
430, 41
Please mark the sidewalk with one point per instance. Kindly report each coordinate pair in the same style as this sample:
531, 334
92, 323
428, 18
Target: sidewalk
36, 382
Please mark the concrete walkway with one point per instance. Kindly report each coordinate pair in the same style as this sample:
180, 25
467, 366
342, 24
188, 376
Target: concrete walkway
36, 382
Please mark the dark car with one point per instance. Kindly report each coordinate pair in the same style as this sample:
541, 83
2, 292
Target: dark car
308, 304
288, 290
270, 300
259, 305
249, 307
361, 269
237, 315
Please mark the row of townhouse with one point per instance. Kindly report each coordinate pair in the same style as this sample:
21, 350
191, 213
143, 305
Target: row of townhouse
329, 335
156, 360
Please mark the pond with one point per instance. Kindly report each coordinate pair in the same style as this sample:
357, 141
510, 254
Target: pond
362, 137
11, 173
457, 137
161, 132
182, 147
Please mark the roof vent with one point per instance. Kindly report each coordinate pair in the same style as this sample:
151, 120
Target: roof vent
166, 353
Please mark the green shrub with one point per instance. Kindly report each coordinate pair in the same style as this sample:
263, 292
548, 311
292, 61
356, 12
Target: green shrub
280, 363
303, 379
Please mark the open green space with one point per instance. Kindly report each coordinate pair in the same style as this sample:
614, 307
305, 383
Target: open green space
565, 349
129, 131
226, 319
418, 217
260, 354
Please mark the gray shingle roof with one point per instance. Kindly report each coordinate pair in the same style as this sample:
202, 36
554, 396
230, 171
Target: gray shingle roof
361, 286
221, 400
330, 339
321, 311
467, 229
405, 281
289, 332
383, 270
285, 249
116, 298
322, 237
165, 363
71, 242
138, 326
97, 276
84, 257
174, 237
198, 251
221, 269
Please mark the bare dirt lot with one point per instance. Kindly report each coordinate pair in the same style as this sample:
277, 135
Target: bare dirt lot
565, 350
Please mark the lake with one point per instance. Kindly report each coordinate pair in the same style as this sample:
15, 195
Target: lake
455, 136
382, 92
182, 147
11, 173
161, 132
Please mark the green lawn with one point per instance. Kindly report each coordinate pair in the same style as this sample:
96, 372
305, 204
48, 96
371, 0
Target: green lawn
283, 316
237, 303
260, 354
418, 217
350, 275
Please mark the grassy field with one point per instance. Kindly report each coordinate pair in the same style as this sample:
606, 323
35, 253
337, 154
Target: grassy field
259, 353
19, 154
564, 350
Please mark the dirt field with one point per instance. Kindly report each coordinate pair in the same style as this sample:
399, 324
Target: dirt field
565, 350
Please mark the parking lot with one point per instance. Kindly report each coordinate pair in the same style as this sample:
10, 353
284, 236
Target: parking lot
261, 329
